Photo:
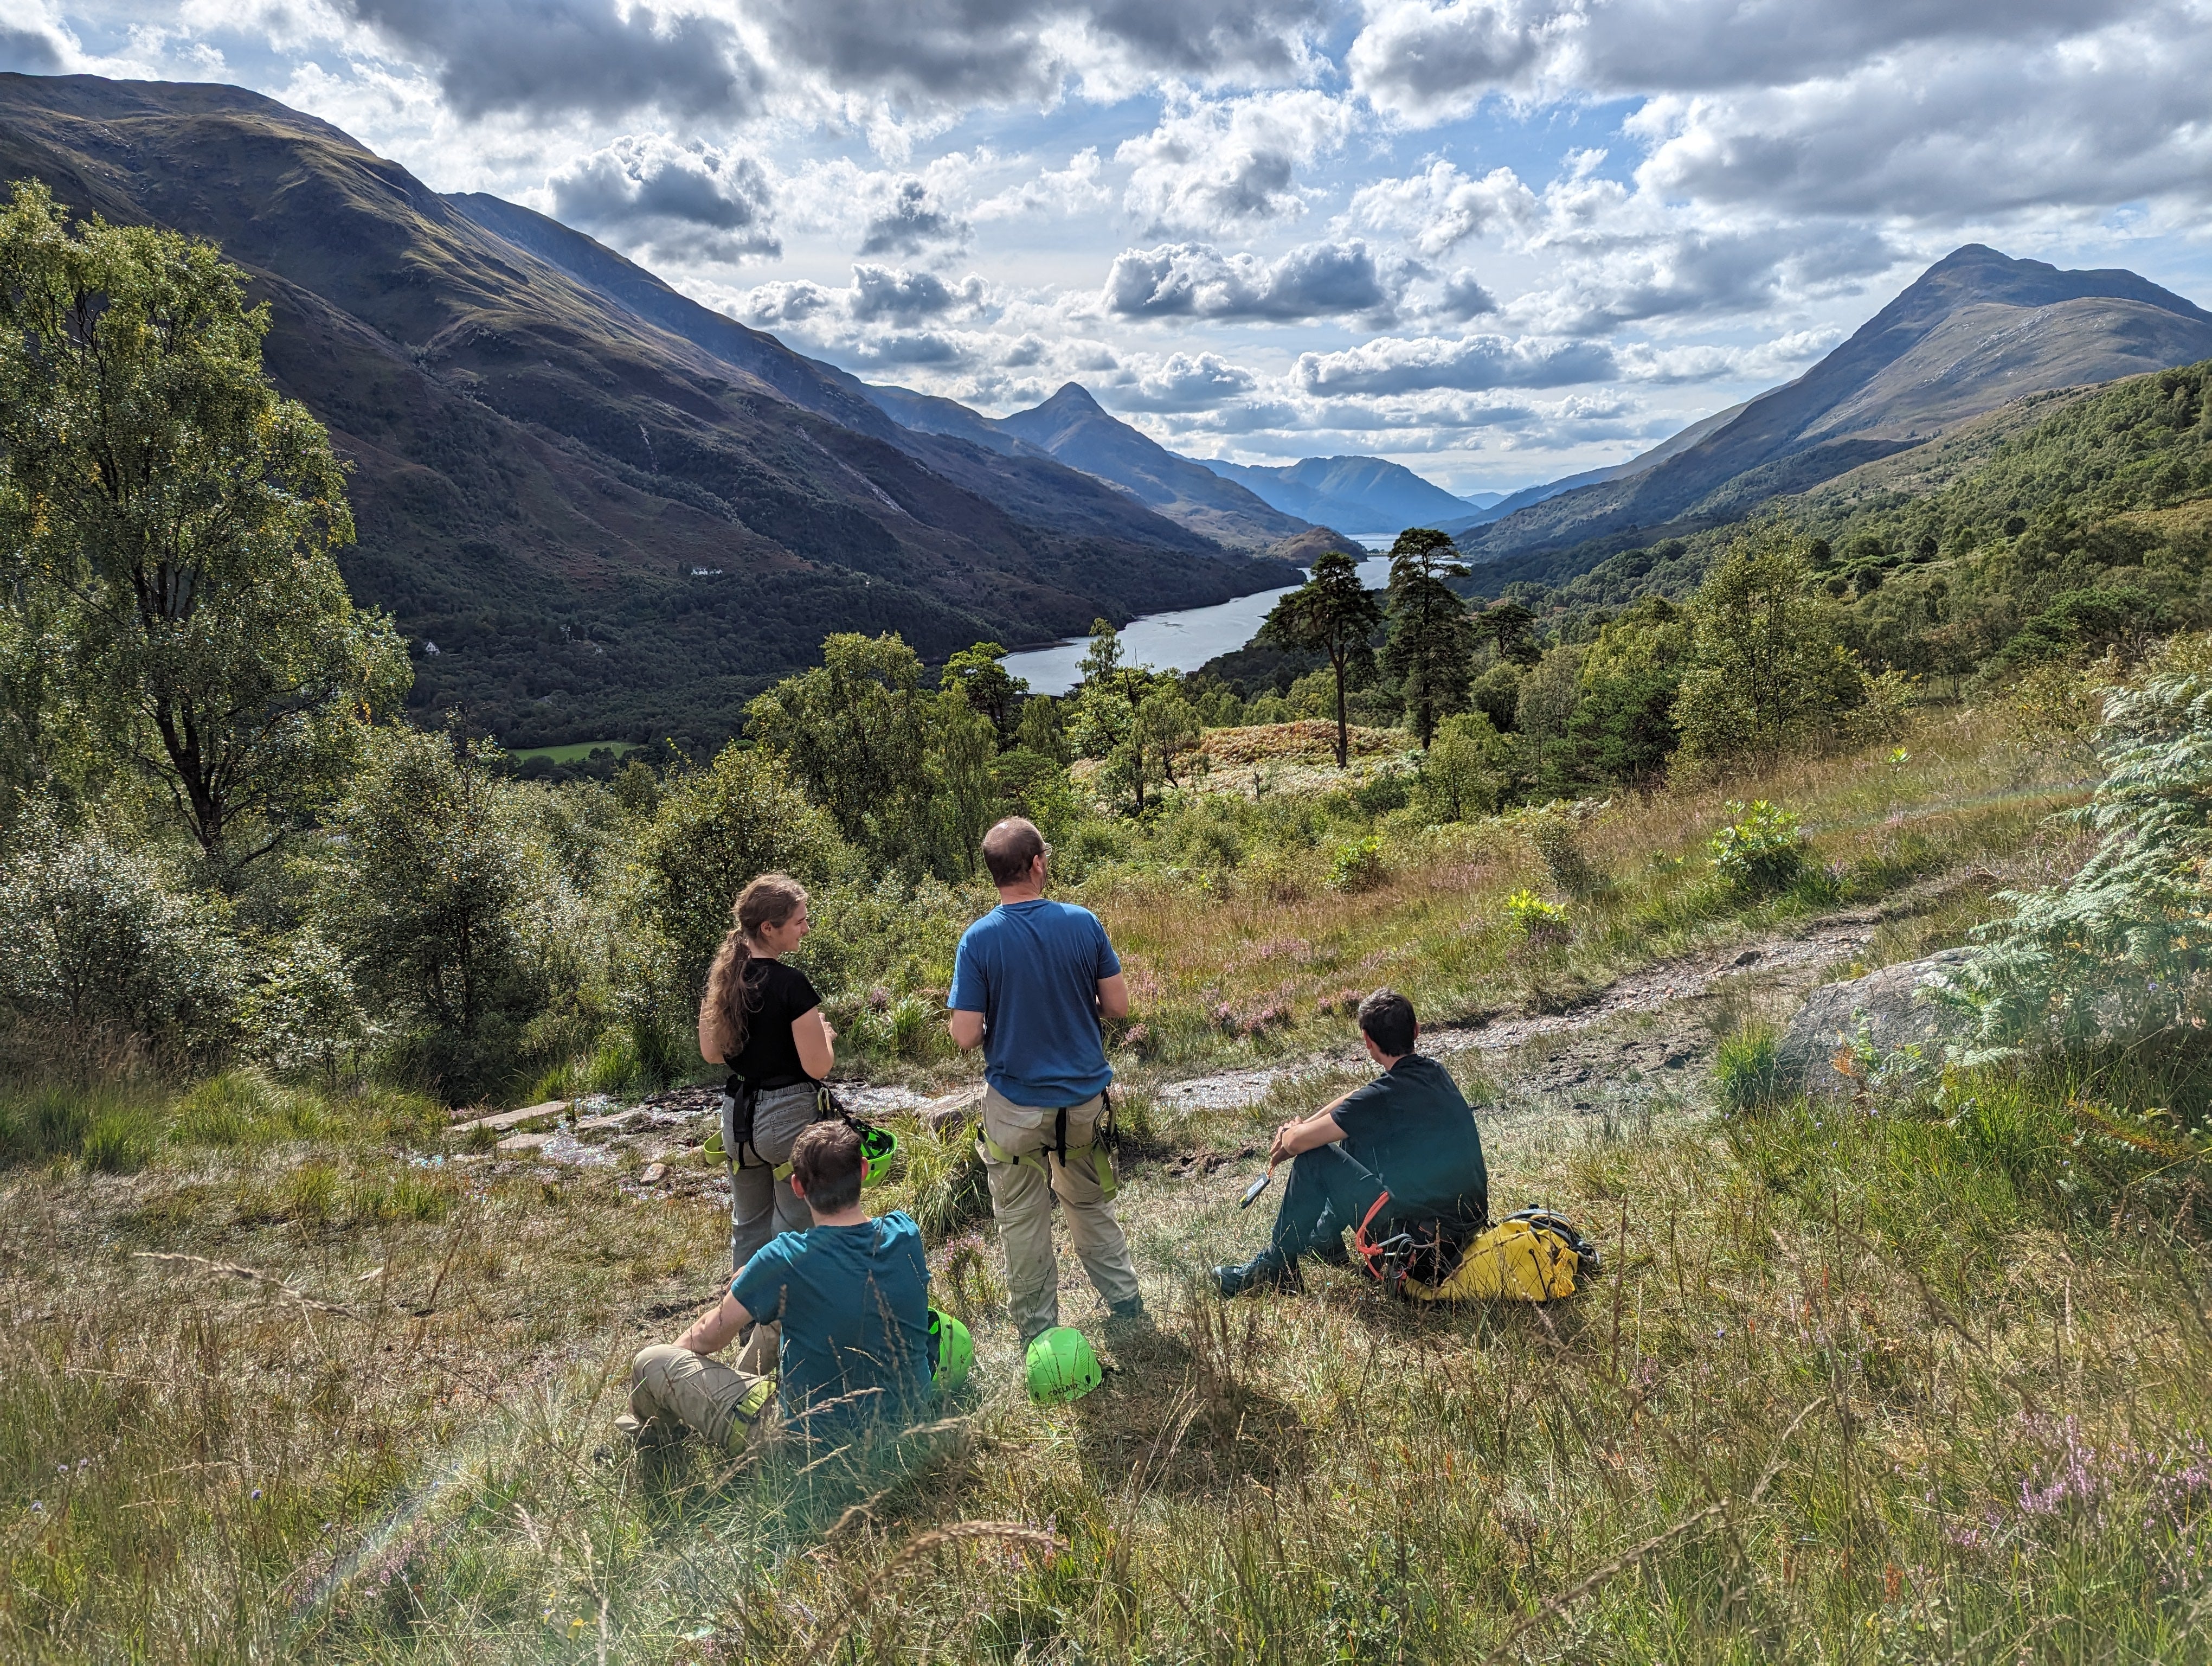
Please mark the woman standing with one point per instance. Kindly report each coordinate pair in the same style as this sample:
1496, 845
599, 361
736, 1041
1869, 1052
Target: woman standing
763, 1019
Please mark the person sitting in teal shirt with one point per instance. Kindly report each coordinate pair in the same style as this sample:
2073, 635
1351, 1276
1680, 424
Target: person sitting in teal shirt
840, 1317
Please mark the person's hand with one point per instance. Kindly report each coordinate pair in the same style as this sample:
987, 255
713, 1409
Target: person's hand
829, 1030
1279, 1147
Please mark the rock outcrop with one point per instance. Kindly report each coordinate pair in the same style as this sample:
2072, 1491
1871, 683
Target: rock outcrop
1897, 1011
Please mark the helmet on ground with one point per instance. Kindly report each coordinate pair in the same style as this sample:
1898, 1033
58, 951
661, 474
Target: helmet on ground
1061, 1366
877, 1145
952, 1351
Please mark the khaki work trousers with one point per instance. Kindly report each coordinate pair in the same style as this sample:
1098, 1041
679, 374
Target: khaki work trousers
1021, 1200
674, 1392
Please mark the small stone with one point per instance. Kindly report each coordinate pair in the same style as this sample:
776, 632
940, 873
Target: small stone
522, 1145
652, 1173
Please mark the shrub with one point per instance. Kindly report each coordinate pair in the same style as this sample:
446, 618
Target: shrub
1554, 833
96, 943
1537, 921
1761, 848
1748, 1069
447, 908
1358, 865
1459, 777
717, 830
305, 1014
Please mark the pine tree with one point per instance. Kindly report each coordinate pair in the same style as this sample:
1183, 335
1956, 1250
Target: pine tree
1331, 613
1432, 638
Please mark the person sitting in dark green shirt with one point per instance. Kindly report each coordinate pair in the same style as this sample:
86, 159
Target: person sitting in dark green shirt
1407, 1138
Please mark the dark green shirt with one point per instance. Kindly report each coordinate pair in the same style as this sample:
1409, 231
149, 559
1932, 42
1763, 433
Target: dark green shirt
1413, 1127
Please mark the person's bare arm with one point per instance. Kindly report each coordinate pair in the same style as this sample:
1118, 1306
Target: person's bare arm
712, 1332
966, 1028
709, 1046
1113, 997
1319, 1129
816, 1044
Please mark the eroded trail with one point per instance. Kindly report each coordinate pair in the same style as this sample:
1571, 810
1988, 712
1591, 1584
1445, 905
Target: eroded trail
1662, 1033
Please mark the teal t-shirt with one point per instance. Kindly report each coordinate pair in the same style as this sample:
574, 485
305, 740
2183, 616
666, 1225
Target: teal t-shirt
853, 1302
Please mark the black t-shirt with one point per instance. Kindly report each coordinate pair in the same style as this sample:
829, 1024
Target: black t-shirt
775, 994
1411, 1125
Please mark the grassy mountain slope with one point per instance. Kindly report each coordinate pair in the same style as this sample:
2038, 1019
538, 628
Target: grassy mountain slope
1365, 492
607, 529
1072, 425
2065, 522
1974, 332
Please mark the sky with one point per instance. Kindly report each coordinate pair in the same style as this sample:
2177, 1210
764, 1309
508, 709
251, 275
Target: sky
1496, 240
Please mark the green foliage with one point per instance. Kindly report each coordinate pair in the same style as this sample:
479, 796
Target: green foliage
2118, 951
1041, 732
1358, 865
1766, 673
1460, 777
1748, 1068
99, 948
1761, 848
1430, 637
986, 685
167, 526
1331, 613
304, 1012
1537, 921
443, 905
716, 830
1553, 832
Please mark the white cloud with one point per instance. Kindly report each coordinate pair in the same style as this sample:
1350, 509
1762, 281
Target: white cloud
1439, 208
1197, 281
1183, 381
1213, 167
674, 201
1076, 189
1395, 364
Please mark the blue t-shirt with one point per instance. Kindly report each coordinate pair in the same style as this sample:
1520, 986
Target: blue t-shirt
1032, 969
854, 1306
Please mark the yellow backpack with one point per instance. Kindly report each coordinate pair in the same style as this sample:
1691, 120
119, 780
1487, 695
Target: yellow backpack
1533, 1256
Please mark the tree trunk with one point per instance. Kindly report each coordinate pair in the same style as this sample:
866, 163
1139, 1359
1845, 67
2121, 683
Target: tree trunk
1343, 741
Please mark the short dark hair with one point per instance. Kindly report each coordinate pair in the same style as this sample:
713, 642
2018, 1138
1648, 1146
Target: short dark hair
826, 1160
1386, 1017
1009, 847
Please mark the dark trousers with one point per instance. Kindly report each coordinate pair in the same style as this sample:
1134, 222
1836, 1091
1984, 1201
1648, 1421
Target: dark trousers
1330, 1189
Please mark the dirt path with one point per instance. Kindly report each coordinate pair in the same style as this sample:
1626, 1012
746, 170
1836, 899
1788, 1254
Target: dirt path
1669, 1037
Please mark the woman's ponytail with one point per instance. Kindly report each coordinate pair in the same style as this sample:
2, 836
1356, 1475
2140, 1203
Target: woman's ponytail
769, 900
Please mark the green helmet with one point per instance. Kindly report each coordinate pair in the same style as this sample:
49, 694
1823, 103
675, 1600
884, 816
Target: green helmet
877, 1146
1061, 1366
952, 1351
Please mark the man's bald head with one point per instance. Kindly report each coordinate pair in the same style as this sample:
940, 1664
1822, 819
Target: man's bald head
1009, 848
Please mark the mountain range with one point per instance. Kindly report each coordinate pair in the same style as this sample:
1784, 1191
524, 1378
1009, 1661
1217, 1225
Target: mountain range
1977, 331
1367, 493
596, 509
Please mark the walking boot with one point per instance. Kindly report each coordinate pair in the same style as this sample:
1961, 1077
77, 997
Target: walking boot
1267, 1270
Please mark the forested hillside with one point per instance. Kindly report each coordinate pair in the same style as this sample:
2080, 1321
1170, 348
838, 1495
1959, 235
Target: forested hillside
613, 514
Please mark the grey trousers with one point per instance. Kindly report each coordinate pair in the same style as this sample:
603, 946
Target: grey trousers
1021, 1201
760, 1205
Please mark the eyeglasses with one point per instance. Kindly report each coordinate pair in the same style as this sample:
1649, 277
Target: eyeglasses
1046, 852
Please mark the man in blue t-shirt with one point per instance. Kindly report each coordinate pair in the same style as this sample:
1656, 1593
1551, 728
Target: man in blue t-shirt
840, 1317
1399, 1155
1030, 983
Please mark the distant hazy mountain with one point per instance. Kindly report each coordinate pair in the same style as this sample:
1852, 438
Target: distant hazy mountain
1364, 494
1972, 332
616, 514
1072, 428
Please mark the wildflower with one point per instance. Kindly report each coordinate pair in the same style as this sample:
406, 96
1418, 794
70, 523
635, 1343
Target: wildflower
38, 1508
256, 1495
1719, 1331
84, 1464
